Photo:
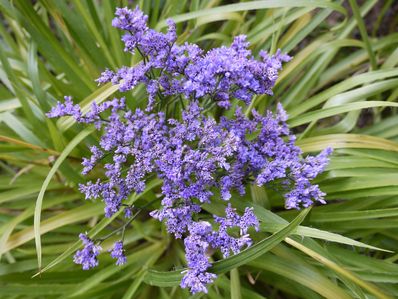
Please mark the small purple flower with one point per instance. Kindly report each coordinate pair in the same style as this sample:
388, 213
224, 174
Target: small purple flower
118, 253
65, 109
196, 245
248, 220
202, 237
106, 76
128, 212
87, 257
89, 164
130, 20
197, 281
227, 243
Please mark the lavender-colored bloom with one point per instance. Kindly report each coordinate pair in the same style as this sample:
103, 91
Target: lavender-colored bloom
227, 243
221, 74
314, 165
202, 237
128, 212
152, 89
92, 117
106, 76
303, 195
131, 77
91, 162
87, 257
130, 20
228, 72
194, 156
118, 253
196, 244
248, 220
67, 108
197, 281
197, 157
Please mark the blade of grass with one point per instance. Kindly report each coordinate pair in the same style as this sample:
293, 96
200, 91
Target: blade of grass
235, 284
364, 34
37, 216
327, 112
332, 265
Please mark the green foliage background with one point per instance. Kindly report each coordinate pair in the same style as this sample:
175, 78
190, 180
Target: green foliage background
340, 90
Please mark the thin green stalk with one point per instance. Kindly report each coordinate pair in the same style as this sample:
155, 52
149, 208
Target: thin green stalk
364, 34
123, 227
235, 284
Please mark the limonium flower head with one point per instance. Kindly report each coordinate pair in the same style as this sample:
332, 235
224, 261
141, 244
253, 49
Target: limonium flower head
199, 158
87, 257
202, 236
132, 20
222, 73
118, 253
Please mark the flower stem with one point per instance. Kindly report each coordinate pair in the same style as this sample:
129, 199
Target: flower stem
364, 34
123, 227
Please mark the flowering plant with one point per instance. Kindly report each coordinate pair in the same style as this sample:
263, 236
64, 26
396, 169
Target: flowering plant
197, 156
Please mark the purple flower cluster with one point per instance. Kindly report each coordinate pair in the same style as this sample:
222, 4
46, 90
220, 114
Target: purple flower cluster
220, 74
196, 246
197, 157
87, 257
118, 253
203, 237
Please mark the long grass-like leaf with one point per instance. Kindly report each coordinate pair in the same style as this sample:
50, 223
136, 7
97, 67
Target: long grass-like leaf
50, 175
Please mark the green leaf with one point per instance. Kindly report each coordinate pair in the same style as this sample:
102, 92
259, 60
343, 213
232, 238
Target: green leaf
302, 273
327, 112
346, 141
83, 134
271, 222
235, 284
332, 265
20, 129
71, 216
344, 85
254, 5
353, 215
